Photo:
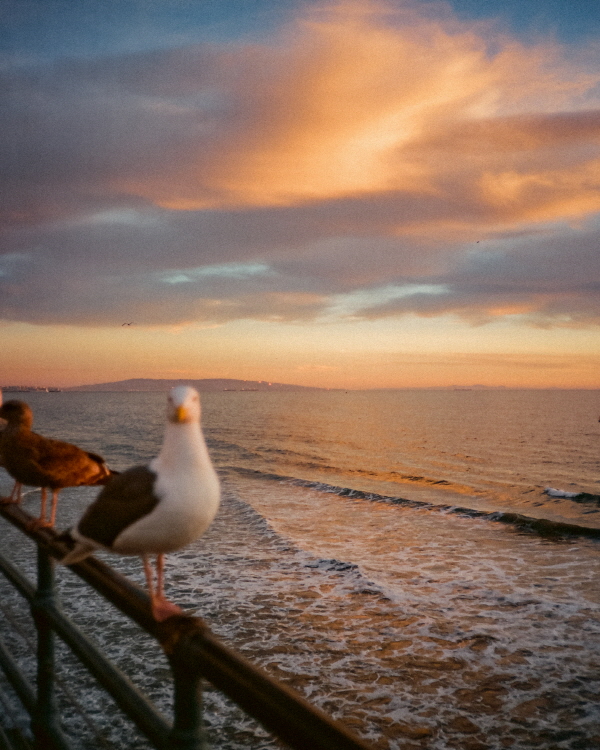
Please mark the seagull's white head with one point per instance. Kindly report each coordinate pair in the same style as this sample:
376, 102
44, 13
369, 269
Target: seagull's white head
183, 405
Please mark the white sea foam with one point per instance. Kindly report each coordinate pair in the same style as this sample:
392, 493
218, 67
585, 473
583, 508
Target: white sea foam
410, 624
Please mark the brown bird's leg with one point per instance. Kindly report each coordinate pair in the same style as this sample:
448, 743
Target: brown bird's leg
41, 521
15, 495
42, 518
54, 506
162, 608
38, 523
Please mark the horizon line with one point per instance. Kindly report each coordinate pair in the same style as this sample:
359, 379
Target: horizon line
16, 388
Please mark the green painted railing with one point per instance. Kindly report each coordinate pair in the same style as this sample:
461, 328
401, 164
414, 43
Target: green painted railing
193, 651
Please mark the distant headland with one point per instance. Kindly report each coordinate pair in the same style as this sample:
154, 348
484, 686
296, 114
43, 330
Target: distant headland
206, 384
149, 385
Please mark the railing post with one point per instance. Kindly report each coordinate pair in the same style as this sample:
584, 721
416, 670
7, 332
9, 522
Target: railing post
187, 642
188, 731
45, 725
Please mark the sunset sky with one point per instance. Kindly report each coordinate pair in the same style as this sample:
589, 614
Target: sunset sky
347, 194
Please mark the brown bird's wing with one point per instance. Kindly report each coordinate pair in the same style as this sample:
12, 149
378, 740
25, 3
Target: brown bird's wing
21, 457
126, 498
105, 474
105, 478
95, 457
53, 463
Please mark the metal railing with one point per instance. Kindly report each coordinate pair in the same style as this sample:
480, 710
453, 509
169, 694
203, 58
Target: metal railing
193, 651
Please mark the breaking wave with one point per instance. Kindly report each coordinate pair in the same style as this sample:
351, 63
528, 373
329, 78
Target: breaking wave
541, 526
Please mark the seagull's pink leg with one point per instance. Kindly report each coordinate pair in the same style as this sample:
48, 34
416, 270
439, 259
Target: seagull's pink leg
149, 576
160, 576
162, 608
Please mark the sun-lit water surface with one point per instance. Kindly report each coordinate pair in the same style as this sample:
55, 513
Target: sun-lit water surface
415, 626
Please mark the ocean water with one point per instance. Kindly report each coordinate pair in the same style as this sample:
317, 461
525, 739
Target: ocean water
393, 556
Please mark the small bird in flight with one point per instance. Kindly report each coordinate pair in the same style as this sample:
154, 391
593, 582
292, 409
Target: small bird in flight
126, 324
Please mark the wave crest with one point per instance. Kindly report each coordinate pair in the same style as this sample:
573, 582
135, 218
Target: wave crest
541, 526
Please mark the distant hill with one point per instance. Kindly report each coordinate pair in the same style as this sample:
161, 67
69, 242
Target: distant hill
207, 384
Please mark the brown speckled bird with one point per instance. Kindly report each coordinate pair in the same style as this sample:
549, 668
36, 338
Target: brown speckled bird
37, 461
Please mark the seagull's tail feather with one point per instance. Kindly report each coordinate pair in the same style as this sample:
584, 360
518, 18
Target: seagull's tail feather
80, 551
77, 554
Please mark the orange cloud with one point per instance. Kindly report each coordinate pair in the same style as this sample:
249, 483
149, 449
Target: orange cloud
359, 156
360, 99
545, 195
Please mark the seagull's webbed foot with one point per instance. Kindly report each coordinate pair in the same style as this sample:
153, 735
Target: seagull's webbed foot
39, 523
162, 609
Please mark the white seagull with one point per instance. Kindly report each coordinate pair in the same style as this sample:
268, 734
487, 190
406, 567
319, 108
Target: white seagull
158, 508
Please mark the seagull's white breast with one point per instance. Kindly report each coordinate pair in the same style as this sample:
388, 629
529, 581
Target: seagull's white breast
187, 504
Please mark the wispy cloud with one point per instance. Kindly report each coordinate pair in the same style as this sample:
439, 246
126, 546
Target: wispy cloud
365, 156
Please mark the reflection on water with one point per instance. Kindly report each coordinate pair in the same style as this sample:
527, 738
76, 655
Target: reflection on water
419, 629
498, 449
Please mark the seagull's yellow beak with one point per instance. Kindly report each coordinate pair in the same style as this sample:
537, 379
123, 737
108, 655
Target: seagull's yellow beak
183, 406
181, 414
